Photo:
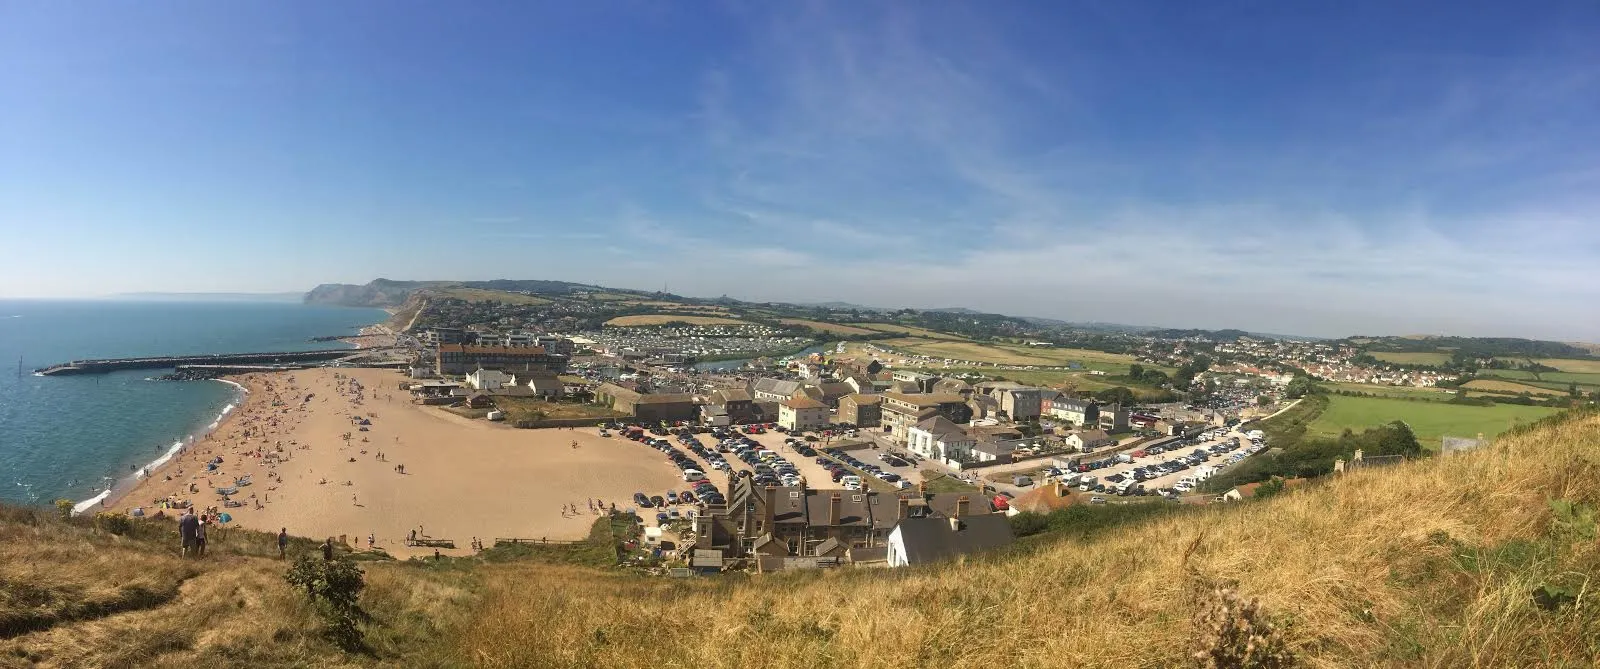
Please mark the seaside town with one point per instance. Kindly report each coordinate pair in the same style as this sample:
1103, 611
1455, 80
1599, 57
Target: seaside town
775, 446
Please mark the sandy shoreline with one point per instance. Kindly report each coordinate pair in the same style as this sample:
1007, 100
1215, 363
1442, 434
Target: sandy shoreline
463, 478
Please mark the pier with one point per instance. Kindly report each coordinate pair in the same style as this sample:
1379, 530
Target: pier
173, 362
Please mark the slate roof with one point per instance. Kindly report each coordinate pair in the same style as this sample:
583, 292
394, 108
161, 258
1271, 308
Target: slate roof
803, 402
939, 427
933, 539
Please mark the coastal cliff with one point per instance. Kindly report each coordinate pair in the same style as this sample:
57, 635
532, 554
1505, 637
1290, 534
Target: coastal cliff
376, 293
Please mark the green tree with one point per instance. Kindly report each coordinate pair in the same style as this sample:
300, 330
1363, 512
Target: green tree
1269, 488
1573, 392
1117, 395
1136, 372
335, 587
1263, 400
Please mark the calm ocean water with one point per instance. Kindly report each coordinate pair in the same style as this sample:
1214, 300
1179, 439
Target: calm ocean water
63, 436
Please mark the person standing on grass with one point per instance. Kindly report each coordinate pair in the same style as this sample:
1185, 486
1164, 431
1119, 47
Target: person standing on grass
187, 527
283, 542
327, 549
200, 536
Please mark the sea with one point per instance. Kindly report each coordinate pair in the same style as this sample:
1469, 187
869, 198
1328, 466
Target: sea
70, 437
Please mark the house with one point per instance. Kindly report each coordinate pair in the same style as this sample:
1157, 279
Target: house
903, 410
734, 403
917, 541
992, 451
1088, 440
830, 392
939, 439
1076, 411
480, 400
774, 390
1113, 418
802, 413
543, 384
983, 406
803, 522
861, 410
1021, 403
452, 359
923, 383
952, 386
650, 407
860, 384
487, 379
1248, 490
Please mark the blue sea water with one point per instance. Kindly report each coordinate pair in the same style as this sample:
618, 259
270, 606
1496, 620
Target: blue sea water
65, 436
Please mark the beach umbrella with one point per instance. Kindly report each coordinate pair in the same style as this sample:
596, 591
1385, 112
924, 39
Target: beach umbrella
224, 518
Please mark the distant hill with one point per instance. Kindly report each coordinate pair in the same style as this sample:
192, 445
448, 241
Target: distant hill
390, 293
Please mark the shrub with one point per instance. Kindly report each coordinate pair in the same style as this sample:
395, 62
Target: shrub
335, 586
114, 523
1231, 633
1028, 523
64, 507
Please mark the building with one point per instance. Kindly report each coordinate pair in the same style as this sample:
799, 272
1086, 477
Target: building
1076, 411
437, 336
952, 386
922, 382
487, 379
1113, 418
455, 359
802, 413
1021, 403
1088, 440
917, 541
542, 384
1043, 499
798, 521
830, 392
647, 407
774, 390
734, 403
556, 345
903, 410
861, 410
939, 439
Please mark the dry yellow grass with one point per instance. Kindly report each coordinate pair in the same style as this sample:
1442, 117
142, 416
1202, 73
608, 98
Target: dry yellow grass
1570, 365
659, 319
908, 330
1428, 565
1008, 354
821, 326
1496, 385
481, 295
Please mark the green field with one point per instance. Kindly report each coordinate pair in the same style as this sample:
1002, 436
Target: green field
1393, 391
1429, 420
1562, 378
1433, 358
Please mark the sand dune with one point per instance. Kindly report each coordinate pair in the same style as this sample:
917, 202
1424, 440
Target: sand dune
463, 478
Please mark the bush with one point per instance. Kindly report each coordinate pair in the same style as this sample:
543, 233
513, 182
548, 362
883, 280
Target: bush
114, 523
1232, 633
335, 586
1028, 523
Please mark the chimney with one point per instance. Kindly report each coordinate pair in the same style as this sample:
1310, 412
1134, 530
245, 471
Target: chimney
1357, 458
922, 488
1061, 489
961, 506
905, 507
772, 508
835, 507
955, 525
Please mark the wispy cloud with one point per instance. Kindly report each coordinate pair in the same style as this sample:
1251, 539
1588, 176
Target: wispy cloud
933, 147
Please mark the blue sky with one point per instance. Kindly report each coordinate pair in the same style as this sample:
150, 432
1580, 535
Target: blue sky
1311, 168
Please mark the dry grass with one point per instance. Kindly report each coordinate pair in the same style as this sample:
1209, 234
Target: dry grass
1012, 354
1430, 565
661, 319
1493, 385
1434, 358
908, 330
1575, 366
831, 328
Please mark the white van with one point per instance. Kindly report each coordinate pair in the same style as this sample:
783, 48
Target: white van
851, 482
693, 475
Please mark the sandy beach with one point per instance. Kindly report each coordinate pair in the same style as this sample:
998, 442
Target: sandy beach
463, 478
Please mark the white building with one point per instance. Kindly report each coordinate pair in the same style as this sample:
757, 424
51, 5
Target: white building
802, 413
938, 438
487, 379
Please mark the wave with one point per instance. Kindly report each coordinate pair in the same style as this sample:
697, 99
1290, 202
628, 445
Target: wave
167, 456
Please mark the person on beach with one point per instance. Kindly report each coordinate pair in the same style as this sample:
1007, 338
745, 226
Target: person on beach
283, 542
200, 536
187, 526
372, 539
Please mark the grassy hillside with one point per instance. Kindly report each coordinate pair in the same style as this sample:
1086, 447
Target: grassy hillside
1473, 560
